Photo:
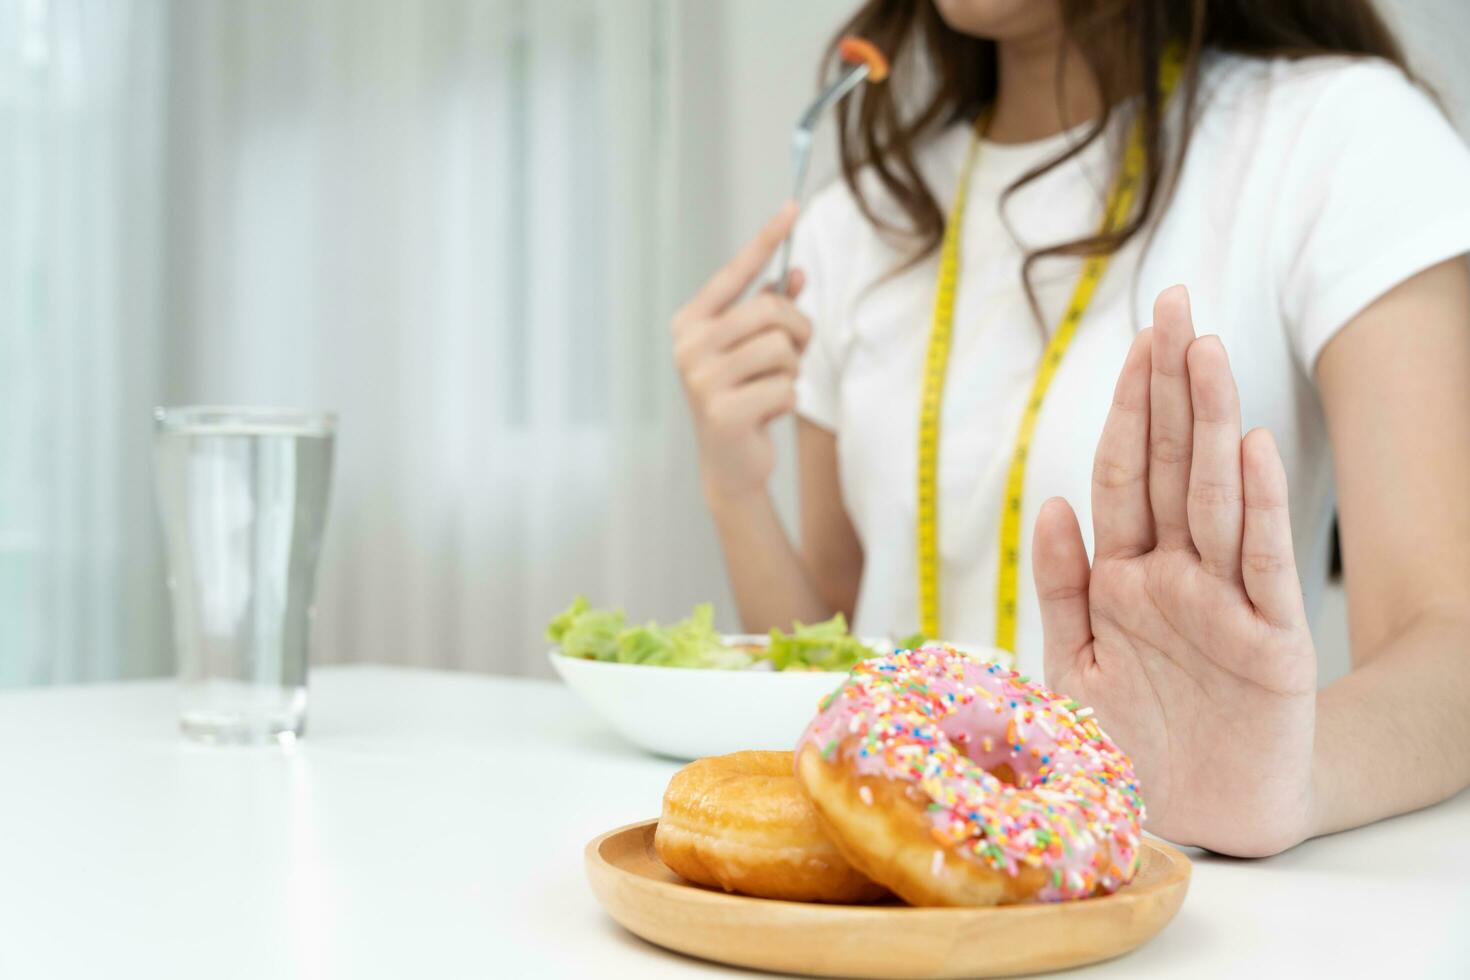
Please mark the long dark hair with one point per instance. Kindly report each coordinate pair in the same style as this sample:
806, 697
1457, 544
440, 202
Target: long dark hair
1122, 43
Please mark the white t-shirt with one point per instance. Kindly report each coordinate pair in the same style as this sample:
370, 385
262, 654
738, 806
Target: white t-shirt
1310, 188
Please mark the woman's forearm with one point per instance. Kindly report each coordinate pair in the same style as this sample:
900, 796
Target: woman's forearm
772, 585
1394, 735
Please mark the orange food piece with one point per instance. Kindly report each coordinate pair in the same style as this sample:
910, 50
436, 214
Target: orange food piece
856, 51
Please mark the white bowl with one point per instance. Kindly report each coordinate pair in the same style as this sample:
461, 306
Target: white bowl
688, 713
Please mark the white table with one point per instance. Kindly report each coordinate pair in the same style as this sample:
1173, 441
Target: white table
432, 825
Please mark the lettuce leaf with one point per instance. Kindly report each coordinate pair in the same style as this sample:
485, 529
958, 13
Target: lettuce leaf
601, 634
697, 644
647, 644
695, 638
582, 631
818, 646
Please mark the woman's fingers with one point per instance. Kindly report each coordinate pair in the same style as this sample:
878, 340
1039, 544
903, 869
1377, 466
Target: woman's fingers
755, 315
1267, 561
795, 282
1059, 565
1215, 499
752, 404
700, 344
1171, 420
1122, 523
726, 285
768, 352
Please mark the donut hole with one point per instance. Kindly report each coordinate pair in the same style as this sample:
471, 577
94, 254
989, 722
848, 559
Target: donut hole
980, 733
1005, 774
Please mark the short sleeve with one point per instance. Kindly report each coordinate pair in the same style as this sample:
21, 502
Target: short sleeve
1377, 189
817, 381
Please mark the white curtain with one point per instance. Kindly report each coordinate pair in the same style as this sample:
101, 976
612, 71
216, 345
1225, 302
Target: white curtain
450, 222
81, 156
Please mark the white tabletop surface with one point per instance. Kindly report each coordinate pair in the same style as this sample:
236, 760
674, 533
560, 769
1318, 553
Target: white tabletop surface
432, 825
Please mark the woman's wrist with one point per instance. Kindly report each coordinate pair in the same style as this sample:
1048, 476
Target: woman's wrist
1316, 819
726, 502
1316, 824
771, 585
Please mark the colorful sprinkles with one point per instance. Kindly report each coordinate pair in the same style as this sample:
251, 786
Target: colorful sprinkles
946, 722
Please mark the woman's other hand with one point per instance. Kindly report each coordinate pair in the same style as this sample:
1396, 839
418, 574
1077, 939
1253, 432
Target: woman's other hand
738, 361
1187, 634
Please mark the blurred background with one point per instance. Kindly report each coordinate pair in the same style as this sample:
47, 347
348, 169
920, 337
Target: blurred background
460, 224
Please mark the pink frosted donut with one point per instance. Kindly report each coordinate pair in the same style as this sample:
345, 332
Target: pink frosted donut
956, 782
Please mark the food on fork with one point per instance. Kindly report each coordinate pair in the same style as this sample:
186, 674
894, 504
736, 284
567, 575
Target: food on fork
955, 782
858, 51
740, 822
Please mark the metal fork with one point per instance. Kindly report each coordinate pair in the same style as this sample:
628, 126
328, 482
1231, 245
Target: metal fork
801, 149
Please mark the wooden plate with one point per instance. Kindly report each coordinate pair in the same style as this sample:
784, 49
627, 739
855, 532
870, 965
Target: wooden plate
651, 901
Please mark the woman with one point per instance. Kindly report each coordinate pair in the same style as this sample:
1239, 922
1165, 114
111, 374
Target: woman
1317, 206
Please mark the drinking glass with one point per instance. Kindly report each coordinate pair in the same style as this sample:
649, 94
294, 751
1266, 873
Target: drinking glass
242, 494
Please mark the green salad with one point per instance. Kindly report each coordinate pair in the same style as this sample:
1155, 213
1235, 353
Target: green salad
604, 634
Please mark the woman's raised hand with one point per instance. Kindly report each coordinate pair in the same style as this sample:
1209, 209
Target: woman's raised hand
1187, 634
738, 362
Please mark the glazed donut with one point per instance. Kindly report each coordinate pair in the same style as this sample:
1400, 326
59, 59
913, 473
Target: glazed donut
740, 822
957, 782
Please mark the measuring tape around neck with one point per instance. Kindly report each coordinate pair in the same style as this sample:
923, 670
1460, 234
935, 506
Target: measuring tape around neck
936, 362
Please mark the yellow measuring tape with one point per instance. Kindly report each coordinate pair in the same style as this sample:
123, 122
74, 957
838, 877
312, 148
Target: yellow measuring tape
936, 362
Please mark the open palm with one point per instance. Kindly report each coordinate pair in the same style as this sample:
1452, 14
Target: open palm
1187, 634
